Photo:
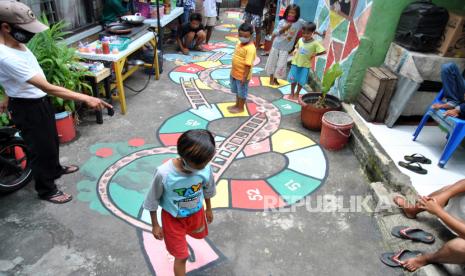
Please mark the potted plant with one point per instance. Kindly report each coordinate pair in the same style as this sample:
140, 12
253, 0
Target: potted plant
316, 104
4, 118
59, 63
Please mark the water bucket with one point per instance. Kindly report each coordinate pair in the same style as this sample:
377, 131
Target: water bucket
336, 129
65, 127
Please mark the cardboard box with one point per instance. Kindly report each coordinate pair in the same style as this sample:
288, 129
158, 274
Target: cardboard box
453, 44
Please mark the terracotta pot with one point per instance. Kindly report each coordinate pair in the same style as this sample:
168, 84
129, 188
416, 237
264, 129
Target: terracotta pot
311, 115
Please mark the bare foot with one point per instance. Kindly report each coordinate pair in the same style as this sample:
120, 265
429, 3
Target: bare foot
409, 211
274, 82
235, 109
415, 263
441, 106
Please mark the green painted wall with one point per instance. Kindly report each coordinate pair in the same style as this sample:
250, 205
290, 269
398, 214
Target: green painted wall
379, 34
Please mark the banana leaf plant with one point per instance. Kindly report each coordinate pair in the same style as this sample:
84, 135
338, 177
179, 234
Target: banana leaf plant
329, 78
59, 62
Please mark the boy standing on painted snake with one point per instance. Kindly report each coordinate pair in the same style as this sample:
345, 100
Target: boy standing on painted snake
241, 71
180, 186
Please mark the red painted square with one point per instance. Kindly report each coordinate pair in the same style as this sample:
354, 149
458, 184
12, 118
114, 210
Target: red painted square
252, 108
254, 82
170, 139
352, 41
190, 68
256, 194
329, 58
337, 47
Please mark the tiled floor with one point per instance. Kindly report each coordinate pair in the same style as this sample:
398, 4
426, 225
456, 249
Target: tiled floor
397, 142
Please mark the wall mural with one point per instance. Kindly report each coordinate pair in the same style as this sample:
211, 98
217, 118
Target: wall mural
344, 22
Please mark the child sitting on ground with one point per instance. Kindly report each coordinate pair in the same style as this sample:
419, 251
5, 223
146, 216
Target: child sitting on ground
306, 49
191, 34
284, 40
179, 187
241, 71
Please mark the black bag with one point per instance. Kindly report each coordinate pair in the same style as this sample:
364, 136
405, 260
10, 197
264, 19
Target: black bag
421, 26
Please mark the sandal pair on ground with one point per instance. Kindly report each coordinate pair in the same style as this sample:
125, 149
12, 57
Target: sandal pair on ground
397, 259
414, 162
60, 197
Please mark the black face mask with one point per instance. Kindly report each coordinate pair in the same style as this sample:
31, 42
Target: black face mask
20, 35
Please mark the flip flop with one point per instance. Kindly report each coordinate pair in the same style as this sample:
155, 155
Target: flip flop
395, 259
414, 167
418, 158
414, 234
55, 198
70, 169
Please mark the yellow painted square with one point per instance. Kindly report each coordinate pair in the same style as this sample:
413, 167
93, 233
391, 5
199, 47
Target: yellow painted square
224, 109
335, 19
266, 82
208, 64
201, 85
285, 141
232, 38
221, 199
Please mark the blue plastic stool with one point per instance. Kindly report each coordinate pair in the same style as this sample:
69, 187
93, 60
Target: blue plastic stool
454, 126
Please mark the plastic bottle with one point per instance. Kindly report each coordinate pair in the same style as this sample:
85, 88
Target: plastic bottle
106, 46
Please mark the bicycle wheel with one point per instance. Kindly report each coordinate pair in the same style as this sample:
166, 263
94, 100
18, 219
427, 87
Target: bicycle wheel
15, 170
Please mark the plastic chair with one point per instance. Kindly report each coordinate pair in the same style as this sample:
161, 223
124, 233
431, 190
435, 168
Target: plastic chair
454, 126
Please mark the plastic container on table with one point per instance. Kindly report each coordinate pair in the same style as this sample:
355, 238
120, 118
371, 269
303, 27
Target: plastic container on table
121, 44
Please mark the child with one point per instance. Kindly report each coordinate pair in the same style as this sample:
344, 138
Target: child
253, 15
209, 18
179, 187
188, 6
453, 85
305, 50
191, 34
284, 39
218, 6
241, 71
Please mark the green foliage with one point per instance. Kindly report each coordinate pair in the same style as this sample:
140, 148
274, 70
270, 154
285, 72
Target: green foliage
329, 78
58, 61
4, 118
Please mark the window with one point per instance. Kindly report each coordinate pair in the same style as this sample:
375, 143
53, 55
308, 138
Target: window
80, 14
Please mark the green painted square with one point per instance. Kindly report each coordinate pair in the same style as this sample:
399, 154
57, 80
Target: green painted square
287, 107
183, 122
320, 67
323, 14
293, 186
340, 32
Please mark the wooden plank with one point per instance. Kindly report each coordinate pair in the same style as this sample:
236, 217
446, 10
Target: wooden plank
365, 102
389, 92
365, 115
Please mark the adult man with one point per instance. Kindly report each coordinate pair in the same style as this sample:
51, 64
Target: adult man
27, 88
253, 15
448, 204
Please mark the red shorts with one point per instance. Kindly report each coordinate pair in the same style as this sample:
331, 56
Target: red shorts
176, 229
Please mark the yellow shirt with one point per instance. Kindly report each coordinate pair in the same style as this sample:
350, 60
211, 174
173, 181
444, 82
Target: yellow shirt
243, 55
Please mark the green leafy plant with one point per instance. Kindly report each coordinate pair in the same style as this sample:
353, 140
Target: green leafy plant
4, 118
329, 78
59, 62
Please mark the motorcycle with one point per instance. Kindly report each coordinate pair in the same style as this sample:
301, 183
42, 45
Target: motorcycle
15, 170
